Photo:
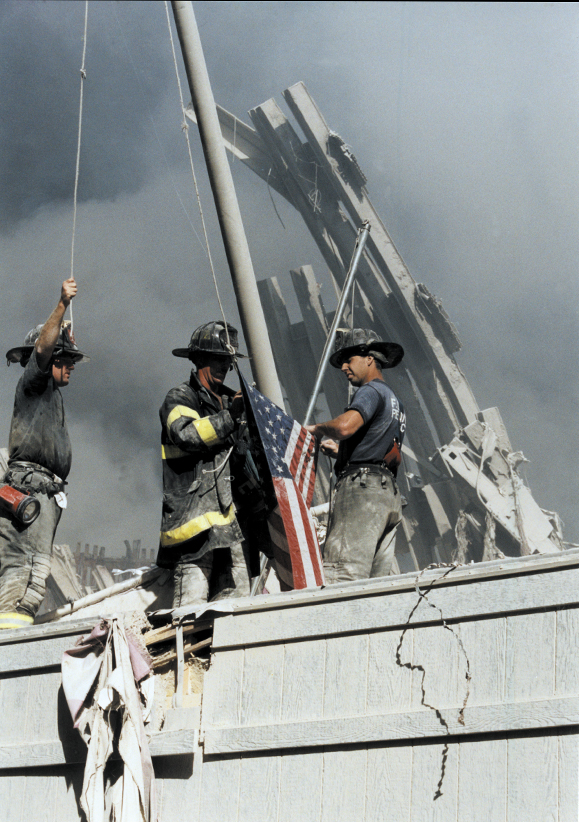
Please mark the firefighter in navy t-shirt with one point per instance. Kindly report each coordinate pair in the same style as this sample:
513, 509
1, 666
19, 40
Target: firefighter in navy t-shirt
38, 463
366, 439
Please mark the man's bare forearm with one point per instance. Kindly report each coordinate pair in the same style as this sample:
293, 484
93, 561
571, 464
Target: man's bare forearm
48, 337
340, 428
327, 429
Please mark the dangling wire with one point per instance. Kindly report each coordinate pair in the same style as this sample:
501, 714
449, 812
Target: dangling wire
234, 139
155, 130
185, 129
271, 198
351, 389
82, 79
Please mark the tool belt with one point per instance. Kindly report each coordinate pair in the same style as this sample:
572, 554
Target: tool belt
353, 469
27, 476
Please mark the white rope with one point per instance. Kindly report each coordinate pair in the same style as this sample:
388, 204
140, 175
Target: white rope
234, 139
513, 460
352, 388
185, 129
82, 79
272, 200
155, 130
338, 257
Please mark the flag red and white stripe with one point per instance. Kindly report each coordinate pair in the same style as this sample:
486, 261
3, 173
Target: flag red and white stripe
291, 454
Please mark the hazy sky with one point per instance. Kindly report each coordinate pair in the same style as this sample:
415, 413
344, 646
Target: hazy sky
464, 117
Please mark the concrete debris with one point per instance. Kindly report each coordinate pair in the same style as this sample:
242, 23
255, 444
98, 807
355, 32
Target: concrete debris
63, 585
431, 308
150, 591
480, 461
347, 164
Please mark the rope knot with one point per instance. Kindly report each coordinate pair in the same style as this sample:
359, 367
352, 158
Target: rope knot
83, 74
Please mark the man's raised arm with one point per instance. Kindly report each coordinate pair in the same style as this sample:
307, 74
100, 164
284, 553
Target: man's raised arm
51, 329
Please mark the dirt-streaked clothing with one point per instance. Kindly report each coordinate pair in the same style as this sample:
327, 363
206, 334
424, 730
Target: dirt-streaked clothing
39, 461
362, 527
366, 507
38, 430
384, 420
26, 550
199, 514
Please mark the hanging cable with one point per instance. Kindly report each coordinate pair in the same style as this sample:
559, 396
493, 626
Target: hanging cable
234, 139
82, 79
351, 388
155, 130
185, 129
273, 201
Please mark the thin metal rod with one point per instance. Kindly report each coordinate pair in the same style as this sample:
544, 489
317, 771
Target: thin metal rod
260, 579
178, 695
234, 239
360, 243
91, 599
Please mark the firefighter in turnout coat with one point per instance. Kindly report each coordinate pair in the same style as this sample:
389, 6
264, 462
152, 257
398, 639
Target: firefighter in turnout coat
201, 535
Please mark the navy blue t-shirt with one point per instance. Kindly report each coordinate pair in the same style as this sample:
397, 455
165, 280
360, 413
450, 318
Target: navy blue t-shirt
38, 432
384, 420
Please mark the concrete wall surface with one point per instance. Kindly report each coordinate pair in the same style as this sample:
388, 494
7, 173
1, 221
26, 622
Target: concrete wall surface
449, 696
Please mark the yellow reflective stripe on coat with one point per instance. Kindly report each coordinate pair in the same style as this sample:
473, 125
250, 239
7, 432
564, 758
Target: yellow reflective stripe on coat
204, 428
172, 452
181, 411
206, 431
15, 620
195, 526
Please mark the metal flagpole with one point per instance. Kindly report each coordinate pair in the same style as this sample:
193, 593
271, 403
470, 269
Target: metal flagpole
234, 239
360, 243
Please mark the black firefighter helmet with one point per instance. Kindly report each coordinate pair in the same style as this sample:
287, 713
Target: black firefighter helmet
211, 338
364, 341
65, 346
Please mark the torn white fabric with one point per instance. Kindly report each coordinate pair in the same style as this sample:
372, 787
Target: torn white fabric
109, 717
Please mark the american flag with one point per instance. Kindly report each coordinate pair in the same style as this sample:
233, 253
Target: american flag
290, 452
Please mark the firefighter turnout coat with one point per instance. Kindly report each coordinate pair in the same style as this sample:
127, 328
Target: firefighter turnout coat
199, 512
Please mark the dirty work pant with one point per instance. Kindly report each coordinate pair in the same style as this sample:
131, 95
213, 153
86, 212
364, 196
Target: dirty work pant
218, 574
362, 527
25, 554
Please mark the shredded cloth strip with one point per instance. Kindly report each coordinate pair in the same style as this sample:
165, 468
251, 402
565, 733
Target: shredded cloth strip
107, 682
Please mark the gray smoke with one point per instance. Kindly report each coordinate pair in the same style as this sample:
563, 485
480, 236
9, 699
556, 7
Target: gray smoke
459, 115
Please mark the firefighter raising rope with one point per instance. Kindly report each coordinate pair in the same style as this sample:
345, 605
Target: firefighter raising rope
32, 496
